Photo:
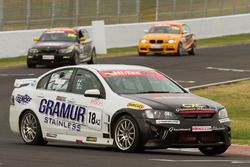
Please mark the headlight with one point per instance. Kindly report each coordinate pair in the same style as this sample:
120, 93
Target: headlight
223, 113
144, 41
32, 50
67, 50
160, 114
171, 41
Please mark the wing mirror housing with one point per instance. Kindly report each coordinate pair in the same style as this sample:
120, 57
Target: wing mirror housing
93, 93
82, 39
36, 39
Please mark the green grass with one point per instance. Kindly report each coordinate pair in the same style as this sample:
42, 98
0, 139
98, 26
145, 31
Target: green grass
115, 52
236, 98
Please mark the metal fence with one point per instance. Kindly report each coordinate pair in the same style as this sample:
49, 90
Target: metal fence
30, 14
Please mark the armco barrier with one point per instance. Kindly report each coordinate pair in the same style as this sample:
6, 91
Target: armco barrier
15, 43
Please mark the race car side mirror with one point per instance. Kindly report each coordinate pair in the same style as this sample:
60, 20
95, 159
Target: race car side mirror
93, 93
83, 39
145, 31
36, 39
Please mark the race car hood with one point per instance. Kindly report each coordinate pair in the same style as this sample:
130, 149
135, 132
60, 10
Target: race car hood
171, 102
39, 45
161, 36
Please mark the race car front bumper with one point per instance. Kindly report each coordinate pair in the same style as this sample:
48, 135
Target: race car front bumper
187, 134
45, 59
164, 48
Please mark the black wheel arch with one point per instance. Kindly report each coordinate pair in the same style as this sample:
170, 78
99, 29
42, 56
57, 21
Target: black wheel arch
137, 115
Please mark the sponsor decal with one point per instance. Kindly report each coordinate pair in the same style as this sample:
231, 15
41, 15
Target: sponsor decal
123, 73
94, 120
23, 99
135, 105
202, 128
60, 98
167, 122
91, 139
61, 114
195, 109
96, 103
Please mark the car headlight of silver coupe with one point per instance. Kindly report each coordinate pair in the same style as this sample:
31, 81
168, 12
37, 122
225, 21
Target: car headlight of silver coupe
67, 50
33, 50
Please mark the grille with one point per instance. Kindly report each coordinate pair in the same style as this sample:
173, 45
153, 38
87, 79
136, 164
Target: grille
198, 116
156, 41
48, 51
156, 49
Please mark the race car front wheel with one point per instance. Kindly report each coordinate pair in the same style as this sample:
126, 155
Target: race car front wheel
211, 151
30, 129
126, 134
30, 65
93, 57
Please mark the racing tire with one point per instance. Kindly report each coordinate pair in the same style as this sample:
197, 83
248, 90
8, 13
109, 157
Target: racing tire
30, 129
193, 50
31, 65
76, 59
141, 54
93, 57
180, 51
212, 151
126, 135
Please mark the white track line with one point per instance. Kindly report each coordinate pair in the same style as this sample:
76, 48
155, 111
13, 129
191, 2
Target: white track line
227, 69
217, 83
185, 81
208, 160
6, 75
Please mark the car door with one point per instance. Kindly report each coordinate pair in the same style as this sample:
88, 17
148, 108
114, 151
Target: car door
87, 42
187, 36
94, 118
55, 108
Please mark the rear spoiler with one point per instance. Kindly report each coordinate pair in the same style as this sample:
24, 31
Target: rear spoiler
25, 82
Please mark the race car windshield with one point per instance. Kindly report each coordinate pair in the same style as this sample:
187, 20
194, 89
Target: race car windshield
165, 29
55, 37
139, 82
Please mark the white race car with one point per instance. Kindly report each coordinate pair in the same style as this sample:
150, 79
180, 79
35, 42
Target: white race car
124, 106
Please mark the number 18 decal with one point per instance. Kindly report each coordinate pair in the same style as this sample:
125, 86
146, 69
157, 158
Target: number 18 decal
94, 120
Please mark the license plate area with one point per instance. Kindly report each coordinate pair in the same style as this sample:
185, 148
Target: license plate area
201, 128
155, 46
48, 57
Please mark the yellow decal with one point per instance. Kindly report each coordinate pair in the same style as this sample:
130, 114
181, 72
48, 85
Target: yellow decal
135, 105
91, 139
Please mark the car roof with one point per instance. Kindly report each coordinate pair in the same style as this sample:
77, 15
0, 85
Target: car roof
106, 67
168, 24
68, 30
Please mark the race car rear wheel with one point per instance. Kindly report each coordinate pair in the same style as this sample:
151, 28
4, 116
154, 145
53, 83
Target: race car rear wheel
211, 151
93, 57
126, 134
193, 50
30, 129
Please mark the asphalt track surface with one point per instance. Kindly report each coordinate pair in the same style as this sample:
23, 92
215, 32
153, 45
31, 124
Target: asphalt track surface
209, 66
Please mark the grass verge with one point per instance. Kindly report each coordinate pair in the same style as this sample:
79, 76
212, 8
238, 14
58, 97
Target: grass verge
236, 98
115, 52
